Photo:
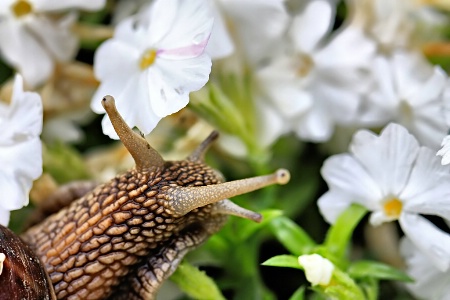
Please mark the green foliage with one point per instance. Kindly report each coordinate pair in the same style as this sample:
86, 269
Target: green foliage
64, 163
196, 283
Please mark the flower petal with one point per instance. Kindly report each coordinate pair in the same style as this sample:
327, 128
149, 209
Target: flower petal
332, 204
430, 240
170, 82
445, 151
430, 282
428, 191
115, 63
190, 29
56, 36
51, 5
220, 44
258, 39
397, 149
4, 217
133, 103
21, 164
24, 52
342, 171
311, 25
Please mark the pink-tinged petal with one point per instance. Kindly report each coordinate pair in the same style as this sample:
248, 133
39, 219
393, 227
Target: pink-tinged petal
342, 171
56, 36
52, 6
398, 150
24, 52
170, 82
220, 44
428, 191
332, 204
4, 217
430, 240
189, 32
258, 39
21, 164
311, 25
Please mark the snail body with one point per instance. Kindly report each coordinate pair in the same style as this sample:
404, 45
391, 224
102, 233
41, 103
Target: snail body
122, 239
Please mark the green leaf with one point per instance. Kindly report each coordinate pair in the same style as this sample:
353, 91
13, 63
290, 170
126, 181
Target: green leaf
339, 234
289, 261
196, 283
64, 163
292, 236
299, 294
248, 228
372, 269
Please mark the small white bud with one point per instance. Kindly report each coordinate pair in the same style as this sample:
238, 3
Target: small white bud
318, 270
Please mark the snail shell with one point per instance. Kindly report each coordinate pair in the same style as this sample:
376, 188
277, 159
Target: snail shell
22, 275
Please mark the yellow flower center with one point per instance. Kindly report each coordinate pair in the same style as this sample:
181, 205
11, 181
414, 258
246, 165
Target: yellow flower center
21, 8
393, 208
304, 65
147, 59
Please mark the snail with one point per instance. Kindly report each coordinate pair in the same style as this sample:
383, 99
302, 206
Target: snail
124, 238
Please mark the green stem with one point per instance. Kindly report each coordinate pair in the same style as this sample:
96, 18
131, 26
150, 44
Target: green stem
340, 233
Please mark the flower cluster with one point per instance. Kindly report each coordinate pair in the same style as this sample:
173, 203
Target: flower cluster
276, 78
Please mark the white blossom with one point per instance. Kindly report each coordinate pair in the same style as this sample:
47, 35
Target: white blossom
396, 179
429, 281
397, 24
319, 82
32, 40
20, 148
153, 62
410, 92
318, 270
254, 26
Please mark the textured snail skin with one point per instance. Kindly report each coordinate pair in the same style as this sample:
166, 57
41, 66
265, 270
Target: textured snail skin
123, 231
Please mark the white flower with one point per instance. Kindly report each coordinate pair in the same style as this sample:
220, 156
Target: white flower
153, 62
20, 148
396, 179
30, 40
445, 150
429, 281
410, 92
397, 24
255, 25
318, 270
319, 84
445, 144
